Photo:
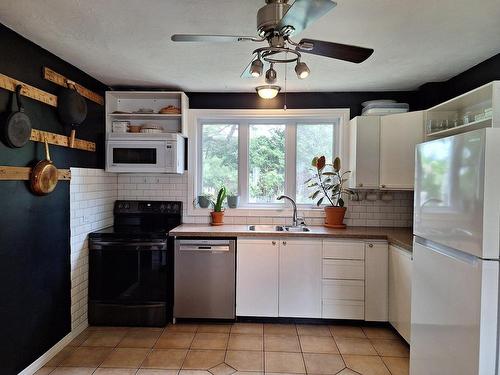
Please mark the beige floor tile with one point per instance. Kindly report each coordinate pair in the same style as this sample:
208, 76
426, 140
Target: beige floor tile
73, 371
109, 338
380, 333
313, 330
181, 327
245, 360
45, 370
349, 345
210, 341
248, 373
391, 348
323, 363
140, 338
397, 365
115, 371
318, 344
245, 342
214, 328
125, 358
147, 371
169, 359
86, 356
194, 372
280, 329
222, 369
175, 340
347, 371
78, 340
275, 343
366, 365
203, 359
61, 356
347, 331
292, 363
248, 328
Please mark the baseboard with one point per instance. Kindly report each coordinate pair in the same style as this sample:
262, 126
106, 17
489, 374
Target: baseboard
47, 356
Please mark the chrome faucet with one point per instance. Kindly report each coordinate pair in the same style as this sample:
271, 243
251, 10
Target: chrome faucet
296, 220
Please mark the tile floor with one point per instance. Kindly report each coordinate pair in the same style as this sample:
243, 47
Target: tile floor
226, 349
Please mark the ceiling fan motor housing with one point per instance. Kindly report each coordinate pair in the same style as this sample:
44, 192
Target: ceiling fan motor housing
270, 15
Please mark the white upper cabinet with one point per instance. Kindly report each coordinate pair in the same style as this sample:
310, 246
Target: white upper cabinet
399, 134
364, 135
257, 277
300, 278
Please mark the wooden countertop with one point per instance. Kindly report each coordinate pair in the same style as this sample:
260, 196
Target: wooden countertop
402, 237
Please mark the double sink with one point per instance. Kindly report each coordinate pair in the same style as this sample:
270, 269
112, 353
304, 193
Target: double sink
278, 228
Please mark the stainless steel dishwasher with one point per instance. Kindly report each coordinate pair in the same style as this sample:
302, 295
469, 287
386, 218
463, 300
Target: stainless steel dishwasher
204, 278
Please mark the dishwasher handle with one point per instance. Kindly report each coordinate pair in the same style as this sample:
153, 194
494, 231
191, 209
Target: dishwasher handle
211, 248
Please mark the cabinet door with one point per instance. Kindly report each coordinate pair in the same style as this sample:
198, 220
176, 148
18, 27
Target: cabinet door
400, 290
300, 278
376, 281
257, 277
399, 134
364, 136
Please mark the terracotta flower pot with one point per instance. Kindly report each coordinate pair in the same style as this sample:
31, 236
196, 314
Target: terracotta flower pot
217, 218
335, 217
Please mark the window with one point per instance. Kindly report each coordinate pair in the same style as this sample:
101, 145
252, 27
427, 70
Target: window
260, 158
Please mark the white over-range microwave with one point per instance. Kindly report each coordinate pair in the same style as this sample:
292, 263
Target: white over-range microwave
150, 154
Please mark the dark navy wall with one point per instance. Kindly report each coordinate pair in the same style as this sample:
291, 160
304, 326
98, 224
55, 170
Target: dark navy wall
34, 231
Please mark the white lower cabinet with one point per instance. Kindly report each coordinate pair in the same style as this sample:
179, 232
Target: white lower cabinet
312, 278
257, 263
300, 278
376, 281
400, 264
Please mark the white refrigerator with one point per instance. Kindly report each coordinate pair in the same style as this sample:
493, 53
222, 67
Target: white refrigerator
455, 285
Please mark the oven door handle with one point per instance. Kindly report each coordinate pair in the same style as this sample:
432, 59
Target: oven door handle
127, 244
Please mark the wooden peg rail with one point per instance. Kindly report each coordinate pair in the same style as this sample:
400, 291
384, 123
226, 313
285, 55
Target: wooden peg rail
32, 92
61, 80
23, 174
61, 140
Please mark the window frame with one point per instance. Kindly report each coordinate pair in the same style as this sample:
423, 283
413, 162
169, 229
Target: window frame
244, 118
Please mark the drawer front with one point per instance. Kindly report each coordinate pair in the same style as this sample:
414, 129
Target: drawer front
341, 309
344, 289
343, 250
343, 269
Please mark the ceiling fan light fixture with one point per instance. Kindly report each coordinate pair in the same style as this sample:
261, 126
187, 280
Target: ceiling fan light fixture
271, 75
268, 91
256, 68
302, 70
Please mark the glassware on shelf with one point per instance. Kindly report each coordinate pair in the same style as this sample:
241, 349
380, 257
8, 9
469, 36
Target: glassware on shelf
468, 117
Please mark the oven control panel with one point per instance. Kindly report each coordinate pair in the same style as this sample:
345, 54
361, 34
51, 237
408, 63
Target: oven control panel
145, 207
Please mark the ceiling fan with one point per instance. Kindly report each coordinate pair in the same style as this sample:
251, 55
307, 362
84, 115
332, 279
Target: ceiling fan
277, 22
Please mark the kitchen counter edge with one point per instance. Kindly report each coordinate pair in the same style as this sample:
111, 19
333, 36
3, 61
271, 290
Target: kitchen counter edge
402, 237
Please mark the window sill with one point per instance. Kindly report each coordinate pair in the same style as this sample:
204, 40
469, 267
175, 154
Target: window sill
307, 211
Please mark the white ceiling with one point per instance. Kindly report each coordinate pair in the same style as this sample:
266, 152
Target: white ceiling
127, 42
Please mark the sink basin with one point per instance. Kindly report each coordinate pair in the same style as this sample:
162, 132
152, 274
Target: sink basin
277, 228
266, 228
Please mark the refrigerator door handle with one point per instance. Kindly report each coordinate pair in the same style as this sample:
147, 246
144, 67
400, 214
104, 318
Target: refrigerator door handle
448, 252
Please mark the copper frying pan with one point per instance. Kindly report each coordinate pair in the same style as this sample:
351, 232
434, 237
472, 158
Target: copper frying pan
44, 176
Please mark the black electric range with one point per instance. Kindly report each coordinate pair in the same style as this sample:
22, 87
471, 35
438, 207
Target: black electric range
131, 265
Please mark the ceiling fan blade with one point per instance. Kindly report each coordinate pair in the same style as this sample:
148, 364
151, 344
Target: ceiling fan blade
302, 13
211, 38
335, 50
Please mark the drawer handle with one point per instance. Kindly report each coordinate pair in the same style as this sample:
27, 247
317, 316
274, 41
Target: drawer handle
284, 243
274, 243
370, 245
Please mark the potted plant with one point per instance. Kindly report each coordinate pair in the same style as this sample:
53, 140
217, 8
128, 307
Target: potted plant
328, 185
218, 213
203, 201
233, 200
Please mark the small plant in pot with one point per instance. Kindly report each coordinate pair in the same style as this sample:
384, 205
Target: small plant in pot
203, 201
327, 183
233, 200
218, 213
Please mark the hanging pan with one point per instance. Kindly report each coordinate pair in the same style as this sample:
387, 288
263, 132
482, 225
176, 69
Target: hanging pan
17, 127
44, 176
72, 108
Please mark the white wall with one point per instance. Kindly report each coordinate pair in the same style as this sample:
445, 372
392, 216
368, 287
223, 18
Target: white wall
395, 213
92, 194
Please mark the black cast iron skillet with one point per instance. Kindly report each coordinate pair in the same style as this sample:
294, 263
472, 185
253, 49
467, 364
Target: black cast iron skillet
72, 108
17, 128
